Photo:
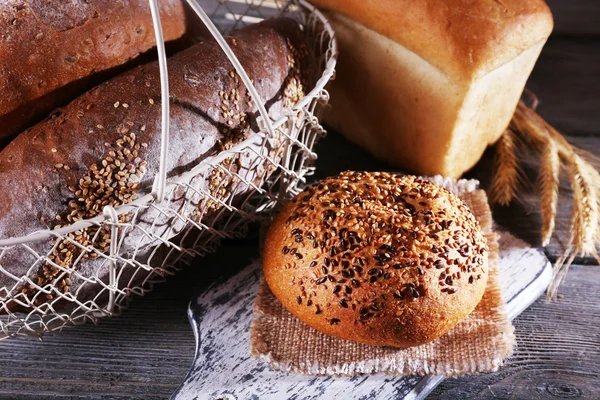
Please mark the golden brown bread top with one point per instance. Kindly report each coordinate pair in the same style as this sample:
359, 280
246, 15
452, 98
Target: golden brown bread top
378, 258
462, 38
45, 45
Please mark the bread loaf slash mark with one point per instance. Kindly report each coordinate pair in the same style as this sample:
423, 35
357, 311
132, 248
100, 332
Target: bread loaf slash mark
112, 181
62, 15
237, 125
297, 78
235, 128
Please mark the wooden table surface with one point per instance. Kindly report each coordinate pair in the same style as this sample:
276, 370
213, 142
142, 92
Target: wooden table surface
146, 352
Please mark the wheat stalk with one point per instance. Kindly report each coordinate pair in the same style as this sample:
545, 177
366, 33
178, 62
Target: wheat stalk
549, 182
589, 214
584, 229
507, 175
585, 183
557, 153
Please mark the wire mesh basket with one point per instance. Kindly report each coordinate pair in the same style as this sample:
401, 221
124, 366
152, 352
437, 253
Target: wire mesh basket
183, 217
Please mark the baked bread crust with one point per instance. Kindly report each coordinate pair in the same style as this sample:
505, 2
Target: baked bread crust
464, 39
377, 258
427, 85
104, 149
45, 45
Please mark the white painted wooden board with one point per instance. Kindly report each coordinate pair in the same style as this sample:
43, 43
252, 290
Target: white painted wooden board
224, 369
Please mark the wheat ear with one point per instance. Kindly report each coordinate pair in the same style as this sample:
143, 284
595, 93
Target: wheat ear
589, 216
549, 182
585, 183
584, 229
507, 170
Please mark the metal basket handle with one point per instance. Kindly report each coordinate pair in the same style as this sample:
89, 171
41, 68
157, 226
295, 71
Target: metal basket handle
160, 181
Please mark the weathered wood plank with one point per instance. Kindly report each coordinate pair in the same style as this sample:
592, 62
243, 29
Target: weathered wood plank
223, 314
142, 354
575, 17
557, 354
146, 353
566, 80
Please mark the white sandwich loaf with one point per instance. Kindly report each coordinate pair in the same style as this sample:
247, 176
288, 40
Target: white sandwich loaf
428, 85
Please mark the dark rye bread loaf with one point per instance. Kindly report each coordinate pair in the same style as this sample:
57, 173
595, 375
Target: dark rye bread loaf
49, 50
103, 149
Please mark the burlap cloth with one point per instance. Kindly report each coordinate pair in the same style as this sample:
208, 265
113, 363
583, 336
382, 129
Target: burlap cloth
479, 343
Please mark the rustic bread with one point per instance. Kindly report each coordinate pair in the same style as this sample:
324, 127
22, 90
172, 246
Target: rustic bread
428, 85
50, 50
377, 258
103, 149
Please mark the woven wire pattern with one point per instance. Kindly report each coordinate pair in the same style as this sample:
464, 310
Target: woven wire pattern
215, 199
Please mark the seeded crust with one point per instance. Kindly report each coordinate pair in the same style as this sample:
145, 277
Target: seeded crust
49, 50
104, 147
377, 258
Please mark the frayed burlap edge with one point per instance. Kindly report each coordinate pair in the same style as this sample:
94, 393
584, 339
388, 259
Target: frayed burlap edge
477, 344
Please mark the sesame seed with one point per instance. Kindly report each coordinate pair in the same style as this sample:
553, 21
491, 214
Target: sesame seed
90, 196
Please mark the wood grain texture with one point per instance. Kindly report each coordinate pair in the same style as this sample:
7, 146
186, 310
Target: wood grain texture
222, 316
142, 354
558, 350
224, 369
575, 17
566, 80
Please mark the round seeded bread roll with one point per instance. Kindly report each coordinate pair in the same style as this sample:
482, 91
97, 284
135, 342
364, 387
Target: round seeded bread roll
378, 258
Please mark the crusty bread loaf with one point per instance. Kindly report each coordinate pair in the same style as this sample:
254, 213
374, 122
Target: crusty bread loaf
49, 50
103, 149
428, 85
377, 258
